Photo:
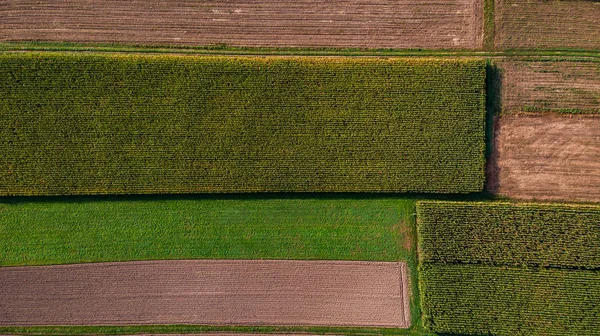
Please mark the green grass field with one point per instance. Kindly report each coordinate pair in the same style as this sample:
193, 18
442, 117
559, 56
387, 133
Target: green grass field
94, 230
113, 124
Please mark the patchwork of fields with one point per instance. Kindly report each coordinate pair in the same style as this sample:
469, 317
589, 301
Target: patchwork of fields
262, 167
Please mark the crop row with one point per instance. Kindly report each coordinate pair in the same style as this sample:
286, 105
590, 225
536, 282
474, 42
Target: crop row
96, 124
499, 233
487, 300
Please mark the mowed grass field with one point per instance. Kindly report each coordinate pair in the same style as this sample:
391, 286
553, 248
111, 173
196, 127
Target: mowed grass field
113, 229
113, 124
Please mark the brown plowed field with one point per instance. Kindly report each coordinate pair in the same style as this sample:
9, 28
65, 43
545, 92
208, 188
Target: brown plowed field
555, 24
304, 23
213, 292
546, 157
537, 85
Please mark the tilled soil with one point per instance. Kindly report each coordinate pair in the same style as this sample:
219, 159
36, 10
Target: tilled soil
302, 23
212, 292
541, 85
533, 24
546, 157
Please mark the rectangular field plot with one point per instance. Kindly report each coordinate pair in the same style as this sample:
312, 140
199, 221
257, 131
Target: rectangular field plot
536, 85
448, 24
77, 230
498, 233
242, 292
484, 300
92, 124
533, 24
546, 157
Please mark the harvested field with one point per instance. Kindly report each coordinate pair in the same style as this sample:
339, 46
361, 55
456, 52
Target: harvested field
227, 292
546, 157
305, 23
556, 86
534, 24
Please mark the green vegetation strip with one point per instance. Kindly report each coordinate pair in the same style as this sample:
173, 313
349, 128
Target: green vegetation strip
486, 300
116, 124
499, 233
80, 230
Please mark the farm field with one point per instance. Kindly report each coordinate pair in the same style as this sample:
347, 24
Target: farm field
542, 85
98, 124
546, 157
224, 292
505, 301
514, 234
539, 24
452, 24
76, 230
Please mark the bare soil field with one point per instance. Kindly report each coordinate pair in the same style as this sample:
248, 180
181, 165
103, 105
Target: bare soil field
546, 157
304, 23
535, 24
536, 85
212, 292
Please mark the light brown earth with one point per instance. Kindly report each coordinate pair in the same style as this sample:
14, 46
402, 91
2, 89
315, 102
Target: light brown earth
537, 85
554, 24
546, 157
444, 24
212, 292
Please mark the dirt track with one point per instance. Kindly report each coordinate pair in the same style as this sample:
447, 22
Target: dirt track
309, 23
546, 157
231, 292
537, 24
541, 85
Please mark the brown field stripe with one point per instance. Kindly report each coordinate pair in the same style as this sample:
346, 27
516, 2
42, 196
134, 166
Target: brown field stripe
444, 24
546, 157
211, 292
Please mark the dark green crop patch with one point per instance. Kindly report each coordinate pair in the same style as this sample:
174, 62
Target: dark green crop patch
500, 233
115, 124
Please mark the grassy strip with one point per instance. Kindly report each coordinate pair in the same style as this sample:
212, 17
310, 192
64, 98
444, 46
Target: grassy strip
289, 51
80, 230
498, 233
198, 329
109, 124
489, 32
485, 300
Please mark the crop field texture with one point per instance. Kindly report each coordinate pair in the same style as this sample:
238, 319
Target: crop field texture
565, 86
79, 230
498, 233
541, 24
503, 301
92, 124
230, 292
546, 157
449, 24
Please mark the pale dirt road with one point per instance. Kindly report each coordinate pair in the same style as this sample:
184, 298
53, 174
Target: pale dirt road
212, 292
546, 157
447, 24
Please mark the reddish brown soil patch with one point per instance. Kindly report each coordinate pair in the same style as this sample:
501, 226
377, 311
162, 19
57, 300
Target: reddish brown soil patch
547, 24
307, 23
547, 157
231, 292
537, 85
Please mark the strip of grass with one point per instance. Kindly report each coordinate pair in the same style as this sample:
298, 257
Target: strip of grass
489, 30
500, 233
503, 301
110, 124
231, 50
95, 230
